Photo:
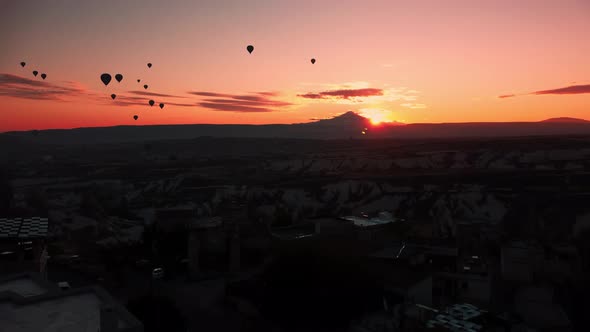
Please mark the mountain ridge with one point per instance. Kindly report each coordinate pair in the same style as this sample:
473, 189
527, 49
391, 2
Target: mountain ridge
345, 126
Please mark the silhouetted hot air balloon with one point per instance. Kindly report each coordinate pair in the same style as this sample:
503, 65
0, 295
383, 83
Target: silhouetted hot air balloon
145, 86
35, 73
119, 77
135, 117
22, 64
138, 80
312, 61
43, 76
250, 49
151, 102
105, 78
161, 105
149, 65
113, 96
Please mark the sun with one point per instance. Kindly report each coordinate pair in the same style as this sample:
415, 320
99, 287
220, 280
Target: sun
376, 121
376, 116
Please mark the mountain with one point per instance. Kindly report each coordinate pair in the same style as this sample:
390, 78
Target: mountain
349, 118
345, 126
565, 120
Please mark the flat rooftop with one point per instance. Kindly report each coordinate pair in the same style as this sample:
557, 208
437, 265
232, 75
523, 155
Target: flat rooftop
23, 228
368, 222
24, 286
29, 303
69, 313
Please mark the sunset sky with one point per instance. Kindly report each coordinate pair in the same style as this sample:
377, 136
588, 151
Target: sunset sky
410, 61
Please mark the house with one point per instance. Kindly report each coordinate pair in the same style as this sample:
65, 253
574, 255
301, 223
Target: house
212, 245
518, 261
30, 303
398, 279
22, 243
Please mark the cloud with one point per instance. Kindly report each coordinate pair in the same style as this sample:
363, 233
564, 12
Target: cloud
153, 94
25, 88
233, 108
360, 93
123, 100
267, 93
209, 94
343, 94
253, 102
570, 90
413, 106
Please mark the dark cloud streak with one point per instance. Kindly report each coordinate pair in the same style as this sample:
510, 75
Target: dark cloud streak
343, 94
153, 94
254, 102
570, 90
25, 88
233, 108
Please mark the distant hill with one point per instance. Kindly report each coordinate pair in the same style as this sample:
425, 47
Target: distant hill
566, 120
345, 126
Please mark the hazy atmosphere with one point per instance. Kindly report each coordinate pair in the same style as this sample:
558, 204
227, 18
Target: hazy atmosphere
407, 61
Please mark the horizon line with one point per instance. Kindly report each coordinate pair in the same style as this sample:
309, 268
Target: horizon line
384, 123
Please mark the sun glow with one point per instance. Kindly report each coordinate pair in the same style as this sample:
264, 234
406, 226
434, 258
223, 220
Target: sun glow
376, 116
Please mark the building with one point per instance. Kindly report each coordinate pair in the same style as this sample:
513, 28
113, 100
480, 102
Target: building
458, 317
30, 303
22, 243
371, 229
174, 219
206, 244
401, 277
472, 235
518, 261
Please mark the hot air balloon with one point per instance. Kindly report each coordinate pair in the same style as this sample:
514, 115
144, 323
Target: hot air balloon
138, 80
149, 65
113, 96
151, 102
135, 117
22, 64
43, 76
161, 105
145, 86
250, 49
119, 77
312, 61
105, 78
35, 73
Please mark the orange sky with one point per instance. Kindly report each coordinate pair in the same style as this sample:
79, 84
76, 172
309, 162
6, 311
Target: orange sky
410, 61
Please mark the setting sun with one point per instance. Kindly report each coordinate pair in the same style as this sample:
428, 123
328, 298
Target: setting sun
377, 116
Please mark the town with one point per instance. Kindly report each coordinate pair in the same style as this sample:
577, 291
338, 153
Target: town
228, 234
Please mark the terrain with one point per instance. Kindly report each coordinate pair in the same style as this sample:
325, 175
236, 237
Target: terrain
346, 126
